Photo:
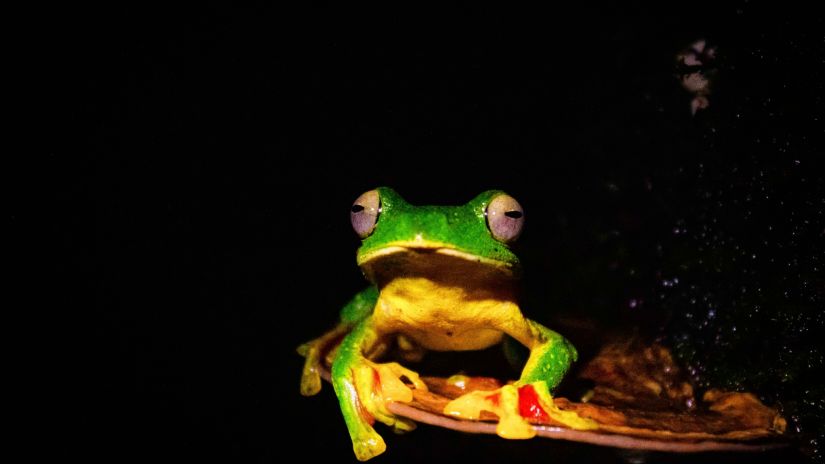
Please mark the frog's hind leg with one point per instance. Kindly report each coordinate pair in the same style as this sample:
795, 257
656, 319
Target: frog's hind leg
364, 388
313, 351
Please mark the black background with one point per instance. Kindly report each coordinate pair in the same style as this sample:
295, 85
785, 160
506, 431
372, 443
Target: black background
223, 146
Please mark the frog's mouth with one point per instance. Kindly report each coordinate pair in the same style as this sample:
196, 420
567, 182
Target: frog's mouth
431, 259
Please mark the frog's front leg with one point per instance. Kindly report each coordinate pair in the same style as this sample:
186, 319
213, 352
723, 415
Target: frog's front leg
529, 397
364, 388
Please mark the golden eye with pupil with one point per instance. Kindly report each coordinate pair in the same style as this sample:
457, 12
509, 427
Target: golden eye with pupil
505, 218
364, 213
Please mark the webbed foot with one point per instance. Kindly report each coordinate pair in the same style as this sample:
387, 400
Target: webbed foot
378, 384
364, 389
516, 405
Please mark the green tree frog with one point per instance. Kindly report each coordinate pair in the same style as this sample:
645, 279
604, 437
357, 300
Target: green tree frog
442, 278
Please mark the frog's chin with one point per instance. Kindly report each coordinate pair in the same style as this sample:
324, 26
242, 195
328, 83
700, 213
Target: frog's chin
425, 258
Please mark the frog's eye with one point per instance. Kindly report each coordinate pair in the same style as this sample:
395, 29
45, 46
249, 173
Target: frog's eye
505, 218
364, 213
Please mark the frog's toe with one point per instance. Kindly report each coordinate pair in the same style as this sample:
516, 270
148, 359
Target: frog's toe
368, 446
310, 383
385, 384
402, 425
303, 350
311, 376
395, 374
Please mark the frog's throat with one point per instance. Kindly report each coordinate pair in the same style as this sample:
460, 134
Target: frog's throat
445, 249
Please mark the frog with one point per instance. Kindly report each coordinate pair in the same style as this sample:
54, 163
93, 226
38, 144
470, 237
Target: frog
441, 278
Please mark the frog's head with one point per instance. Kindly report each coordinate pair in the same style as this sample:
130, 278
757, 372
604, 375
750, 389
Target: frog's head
399, 238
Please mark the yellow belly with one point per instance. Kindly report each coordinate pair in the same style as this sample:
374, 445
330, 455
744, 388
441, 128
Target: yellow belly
443, 317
